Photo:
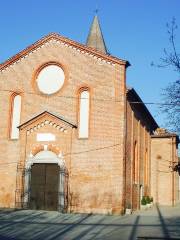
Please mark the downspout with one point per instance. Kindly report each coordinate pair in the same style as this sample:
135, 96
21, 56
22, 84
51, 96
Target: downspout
125, 146
125, 140
69, 185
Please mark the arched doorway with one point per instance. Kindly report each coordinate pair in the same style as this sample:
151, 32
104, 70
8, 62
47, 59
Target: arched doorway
45, 182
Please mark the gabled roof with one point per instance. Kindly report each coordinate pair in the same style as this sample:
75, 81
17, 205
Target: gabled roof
57, 37
164, 133
43, 114
95, 38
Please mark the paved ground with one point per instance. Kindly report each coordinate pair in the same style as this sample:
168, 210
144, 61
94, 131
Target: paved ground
158, 223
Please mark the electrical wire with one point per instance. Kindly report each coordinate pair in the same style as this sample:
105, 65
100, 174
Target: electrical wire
75, 153
94, 99
97, 99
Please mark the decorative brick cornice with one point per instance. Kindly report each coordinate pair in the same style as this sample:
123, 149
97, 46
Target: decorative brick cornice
54, 37
37, 126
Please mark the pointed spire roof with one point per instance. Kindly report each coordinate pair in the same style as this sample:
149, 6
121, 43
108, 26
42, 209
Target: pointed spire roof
95, 38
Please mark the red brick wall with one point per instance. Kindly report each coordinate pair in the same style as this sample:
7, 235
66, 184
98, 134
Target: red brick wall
136, 132
96, 176
164, 182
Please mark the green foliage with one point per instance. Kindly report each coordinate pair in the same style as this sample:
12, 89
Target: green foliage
148, 200
143, 200
151, 199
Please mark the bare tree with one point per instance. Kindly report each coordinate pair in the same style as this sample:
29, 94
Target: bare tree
171, 94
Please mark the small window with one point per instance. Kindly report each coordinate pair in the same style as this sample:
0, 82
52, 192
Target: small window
15, 117
84, 114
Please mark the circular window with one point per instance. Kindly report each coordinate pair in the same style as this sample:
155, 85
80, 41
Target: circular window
50, 79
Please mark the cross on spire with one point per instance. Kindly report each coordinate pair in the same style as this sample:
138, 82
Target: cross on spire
96, 10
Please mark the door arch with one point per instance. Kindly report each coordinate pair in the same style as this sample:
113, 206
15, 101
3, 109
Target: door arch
46, 158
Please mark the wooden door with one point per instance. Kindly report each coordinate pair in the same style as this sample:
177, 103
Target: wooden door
44, 186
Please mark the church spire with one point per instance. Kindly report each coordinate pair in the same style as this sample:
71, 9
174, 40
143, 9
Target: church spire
95, 37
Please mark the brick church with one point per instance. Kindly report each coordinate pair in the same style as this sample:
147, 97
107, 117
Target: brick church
74, 137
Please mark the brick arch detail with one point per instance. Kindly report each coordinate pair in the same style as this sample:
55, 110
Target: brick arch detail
50, 147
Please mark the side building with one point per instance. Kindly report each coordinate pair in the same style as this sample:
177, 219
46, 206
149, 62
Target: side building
151, 154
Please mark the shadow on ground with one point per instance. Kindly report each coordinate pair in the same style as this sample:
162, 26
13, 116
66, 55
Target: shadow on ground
28, 224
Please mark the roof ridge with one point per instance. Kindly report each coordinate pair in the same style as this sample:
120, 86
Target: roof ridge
66, 40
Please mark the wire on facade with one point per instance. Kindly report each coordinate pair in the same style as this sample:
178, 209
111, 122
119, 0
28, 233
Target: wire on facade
76, 153
98, 99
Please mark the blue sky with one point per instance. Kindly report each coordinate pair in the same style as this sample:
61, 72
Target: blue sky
133, 30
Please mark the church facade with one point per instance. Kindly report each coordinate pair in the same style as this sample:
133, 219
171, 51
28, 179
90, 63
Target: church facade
73, 137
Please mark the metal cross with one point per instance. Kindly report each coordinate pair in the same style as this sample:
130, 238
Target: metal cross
97, 9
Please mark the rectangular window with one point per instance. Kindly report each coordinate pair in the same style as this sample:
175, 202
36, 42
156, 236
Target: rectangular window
16, 114
84, 114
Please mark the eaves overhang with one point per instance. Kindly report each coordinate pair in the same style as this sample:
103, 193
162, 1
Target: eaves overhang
167, 135
132, 94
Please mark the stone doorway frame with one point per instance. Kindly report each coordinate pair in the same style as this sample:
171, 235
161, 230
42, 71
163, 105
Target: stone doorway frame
45, 156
